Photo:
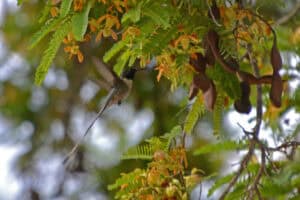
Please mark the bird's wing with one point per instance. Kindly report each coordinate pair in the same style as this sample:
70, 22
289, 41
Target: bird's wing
109, 75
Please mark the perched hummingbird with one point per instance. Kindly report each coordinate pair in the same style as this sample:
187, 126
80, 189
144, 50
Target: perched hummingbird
120, 88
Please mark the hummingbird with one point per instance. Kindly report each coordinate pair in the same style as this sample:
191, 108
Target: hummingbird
120, 88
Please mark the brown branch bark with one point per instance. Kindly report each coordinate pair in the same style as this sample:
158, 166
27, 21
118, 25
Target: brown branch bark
242, 167
254, 187
284, 146
253, 141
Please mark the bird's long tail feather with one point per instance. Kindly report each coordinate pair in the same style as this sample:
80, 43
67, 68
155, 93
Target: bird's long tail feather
106, 104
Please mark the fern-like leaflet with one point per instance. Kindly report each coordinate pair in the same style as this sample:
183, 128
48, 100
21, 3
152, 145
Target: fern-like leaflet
217, 114
65, 7
227, 145
116, 48
146, 151
196, 111
80, 22
51, 51
220, 182
128, 182
49, 26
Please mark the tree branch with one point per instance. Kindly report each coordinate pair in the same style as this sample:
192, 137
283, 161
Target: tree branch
259, 102
212, 15
254, 186
243, 166
284, 146
254, 140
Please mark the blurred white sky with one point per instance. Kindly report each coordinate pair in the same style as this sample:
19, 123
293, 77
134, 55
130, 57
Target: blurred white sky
9, 184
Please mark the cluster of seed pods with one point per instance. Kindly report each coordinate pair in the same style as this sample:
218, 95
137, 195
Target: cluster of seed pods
212, 54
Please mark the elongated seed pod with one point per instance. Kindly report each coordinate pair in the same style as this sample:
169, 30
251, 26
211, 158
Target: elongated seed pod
276, 60
276, 90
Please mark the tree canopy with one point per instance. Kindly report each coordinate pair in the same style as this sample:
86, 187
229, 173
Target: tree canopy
200, 64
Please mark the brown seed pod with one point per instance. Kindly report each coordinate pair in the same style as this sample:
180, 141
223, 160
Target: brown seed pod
267, 79
245, 88
194, 89
210, 44
209, 56
204, 83
210, 97
213, 38
246, 77
252, 80
198, 63
276, 90
243, 106
200, 81
276, 60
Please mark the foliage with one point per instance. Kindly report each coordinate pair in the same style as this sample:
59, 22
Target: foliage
226, 53
194, 114
164, 178
51, 51
152, 145
226, 145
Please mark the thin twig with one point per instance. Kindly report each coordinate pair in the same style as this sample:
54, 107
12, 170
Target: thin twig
212, 15
200, 191
183, 139
259, 113
243, 166
254, 186
288, 16
254, 135
259, 102
265, 22
284, 146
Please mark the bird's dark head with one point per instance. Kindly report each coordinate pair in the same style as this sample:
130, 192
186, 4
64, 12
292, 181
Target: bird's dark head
129, 73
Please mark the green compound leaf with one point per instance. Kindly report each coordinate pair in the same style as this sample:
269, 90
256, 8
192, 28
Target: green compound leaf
160, 14
50, 52
227, 145
196, 111
133, 15
218, 114
65, 7
49, 26
116, 48
146, 150
219, 183
80, 22
121, 62
45, 13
